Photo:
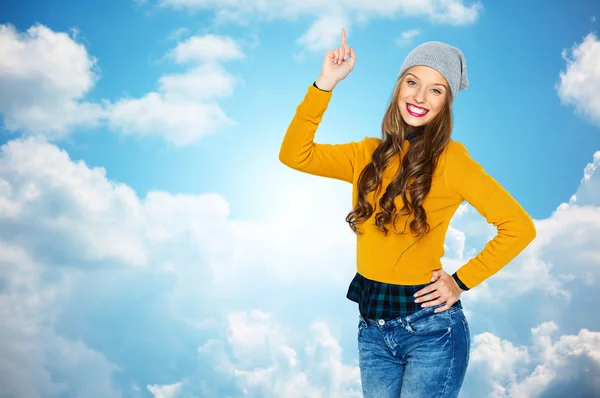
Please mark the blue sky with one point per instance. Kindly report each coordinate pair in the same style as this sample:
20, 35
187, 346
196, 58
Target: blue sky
151, 243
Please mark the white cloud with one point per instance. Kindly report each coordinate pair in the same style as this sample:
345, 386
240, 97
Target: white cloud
204, 83
207, 48
254, 336
264, 364
331, 16
566, 251
454, 245
579, 84
166, 391
324, 33
588, 192
67, 202
45, 76
556, 278
453, 12
35, 360
179, 122
179, 33
185, 108
325, 364
500, 357
181, 238
49, 199
549, 367
407, 37
562, 263
52, 200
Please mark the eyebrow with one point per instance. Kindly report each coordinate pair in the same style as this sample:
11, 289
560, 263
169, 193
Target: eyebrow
435, 84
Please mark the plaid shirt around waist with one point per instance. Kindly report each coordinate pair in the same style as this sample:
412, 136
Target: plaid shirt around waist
378, 300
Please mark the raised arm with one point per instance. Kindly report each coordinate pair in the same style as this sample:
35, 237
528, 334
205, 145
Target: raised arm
298, 149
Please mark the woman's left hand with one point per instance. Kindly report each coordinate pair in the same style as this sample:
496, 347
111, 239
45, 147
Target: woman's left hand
445, 289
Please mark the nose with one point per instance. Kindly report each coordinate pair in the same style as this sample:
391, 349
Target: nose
419, 96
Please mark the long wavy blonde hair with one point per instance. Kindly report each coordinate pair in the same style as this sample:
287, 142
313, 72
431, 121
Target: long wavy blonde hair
414, 175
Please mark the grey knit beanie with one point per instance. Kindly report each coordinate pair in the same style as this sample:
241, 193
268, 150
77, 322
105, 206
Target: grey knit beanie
444, 58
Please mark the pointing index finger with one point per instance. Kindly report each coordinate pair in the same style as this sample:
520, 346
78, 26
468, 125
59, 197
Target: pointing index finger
343, 36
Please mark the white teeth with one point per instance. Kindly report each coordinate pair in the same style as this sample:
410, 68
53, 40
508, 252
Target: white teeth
416, 110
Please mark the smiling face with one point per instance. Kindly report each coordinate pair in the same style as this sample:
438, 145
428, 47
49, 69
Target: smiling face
422, 94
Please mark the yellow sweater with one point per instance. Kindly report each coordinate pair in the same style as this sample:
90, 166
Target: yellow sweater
402, 258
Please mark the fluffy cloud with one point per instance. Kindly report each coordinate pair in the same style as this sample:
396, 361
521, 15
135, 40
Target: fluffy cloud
331, 16
67, 202
35, 360
407, 37
68, 223
550, 367
48, 199
556, 277
264, 364
199, 254
578, 84
566, 250
453, 12
588, 192
185, 108
208, 48
324, 33
166, 391
46, 75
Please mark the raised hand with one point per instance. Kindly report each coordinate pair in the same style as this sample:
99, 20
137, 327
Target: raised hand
335, 66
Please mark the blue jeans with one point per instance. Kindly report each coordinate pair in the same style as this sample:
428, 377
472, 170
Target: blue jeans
422, 355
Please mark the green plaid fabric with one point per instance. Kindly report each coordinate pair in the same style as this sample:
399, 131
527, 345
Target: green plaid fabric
378, 300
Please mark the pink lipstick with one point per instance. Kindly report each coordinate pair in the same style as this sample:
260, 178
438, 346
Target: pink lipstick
416, 111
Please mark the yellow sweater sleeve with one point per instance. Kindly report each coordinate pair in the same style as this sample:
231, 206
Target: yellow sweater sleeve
467, 179
300, 152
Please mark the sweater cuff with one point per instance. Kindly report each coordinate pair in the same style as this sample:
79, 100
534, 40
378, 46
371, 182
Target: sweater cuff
459, 282
315, 84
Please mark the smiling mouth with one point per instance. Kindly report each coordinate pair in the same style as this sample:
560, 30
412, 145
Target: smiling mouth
416, 111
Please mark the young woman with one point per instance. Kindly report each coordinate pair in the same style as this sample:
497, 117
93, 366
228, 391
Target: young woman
413, 337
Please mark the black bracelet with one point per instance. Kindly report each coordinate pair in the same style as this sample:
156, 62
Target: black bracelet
315, 84
459, 282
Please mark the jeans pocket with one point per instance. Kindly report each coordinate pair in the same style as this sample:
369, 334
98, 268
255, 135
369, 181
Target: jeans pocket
431, 324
